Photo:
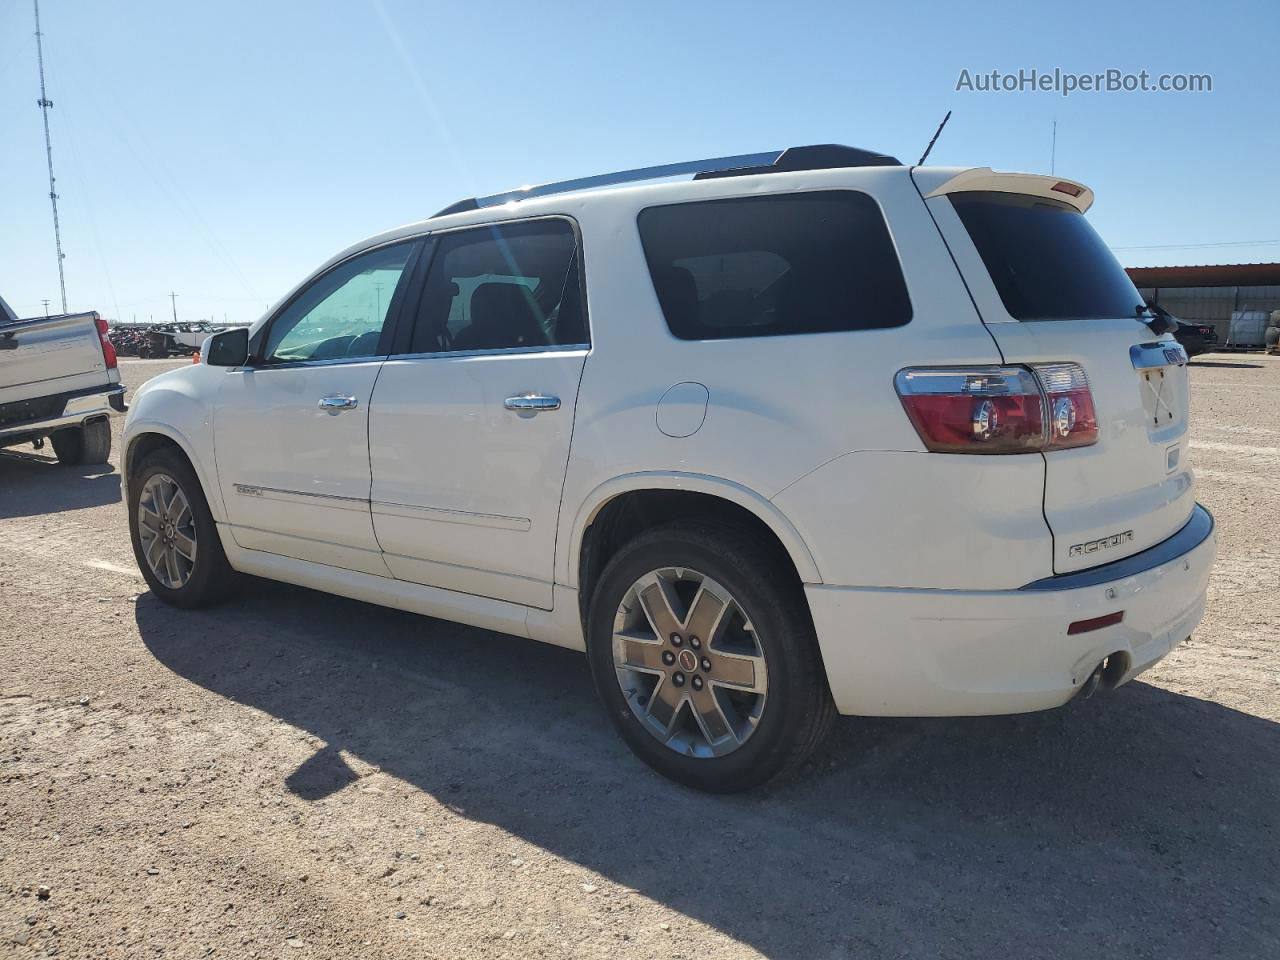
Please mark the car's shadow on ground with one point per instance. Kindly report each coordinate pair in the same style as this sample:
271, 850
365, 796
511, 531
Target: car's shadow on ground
31, 484
1143, 823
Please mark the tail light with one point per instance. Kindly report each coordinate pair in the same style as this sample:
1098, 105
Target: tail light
108, 348
994, 410
1072, 421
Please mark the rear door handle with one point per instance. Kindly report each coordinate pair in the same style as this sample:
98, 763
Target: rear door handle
532, 402
336, 404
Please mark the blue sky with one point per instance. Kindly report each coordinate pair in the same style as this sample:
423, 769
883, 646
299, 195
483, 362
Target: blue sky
223, 150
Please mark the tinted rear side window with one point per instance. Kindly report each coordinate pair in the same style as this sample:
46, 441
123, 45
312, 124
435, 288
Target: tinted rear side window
773, 266
506, 287
1045, 259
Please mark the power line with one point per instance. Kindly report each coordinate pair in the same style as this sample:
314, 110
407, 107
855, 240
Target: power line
45, 103
1196, 246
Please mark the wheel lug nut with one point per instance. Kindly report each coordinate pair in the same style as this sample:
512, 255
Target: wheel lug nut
706, 664
697, 682
676, 640
678, 679
668, 657
695, 642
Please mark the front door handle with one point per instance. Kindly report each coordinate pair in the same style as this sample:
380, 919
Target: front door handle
336, 404
532, 402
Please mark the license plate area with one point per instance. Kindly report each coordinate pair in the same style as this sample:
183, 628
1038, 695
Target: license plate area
1162, 380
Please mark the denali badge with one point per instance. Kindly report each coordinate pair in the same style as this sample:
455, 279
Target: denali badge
1102, 543
247, 491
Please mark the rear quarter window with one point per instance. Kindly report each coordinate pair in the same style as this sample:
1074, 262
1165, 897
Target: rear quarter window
1045, 259
772, 266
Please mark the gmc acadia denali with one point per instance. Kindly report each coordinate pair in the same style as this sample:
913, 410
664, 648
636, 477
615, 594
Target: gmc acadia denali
811, 433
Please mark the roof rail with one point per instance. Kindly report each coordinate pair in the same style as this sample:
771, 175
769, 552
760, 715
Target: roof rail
816, 157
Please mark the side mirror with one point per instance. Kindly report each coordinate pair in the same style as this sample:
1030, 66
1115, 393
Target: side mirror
230, 348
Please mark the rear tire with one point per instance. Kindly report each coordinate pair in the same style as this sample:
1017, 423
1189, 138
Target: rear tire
774, 730
200, 575
87, 444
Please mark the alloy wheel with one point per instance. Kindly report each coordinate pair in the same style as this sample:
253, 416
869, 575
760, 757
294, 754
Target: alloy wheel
167, 530
689, 662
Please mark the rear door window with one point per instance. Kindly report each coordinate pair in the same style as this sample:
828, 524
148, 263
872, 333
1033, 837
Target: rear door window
773, 266
505, 287
1045, 259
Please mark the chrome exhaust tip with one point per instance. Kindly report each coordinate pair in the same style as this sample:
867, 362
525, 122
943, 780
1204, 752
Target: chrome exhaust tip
1090, 685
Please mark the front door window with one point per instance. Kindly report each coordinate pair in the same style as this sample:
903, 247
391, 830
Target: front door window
342, 314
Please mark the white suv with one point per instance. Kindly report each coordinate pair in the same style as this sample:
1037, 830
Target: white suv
811, 433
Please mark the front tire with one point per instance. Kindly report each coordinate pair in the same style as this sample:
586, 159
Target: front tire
703, 653
87, 444
175, 538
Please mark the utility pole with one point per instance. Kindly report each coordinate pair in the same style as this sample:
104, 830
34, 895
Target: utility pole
46, 307
174, 298
45, 103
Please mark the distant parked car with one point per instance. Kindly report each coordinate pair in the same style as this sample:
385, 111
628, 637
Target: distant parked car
1196, 338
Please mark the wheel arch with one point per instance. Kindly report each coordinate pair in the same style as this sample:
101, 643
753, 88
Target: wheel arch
727, 500
146, 438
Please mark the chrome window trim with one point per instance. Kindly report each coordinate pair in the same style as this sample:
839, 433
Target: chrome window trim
298, 364
573, 348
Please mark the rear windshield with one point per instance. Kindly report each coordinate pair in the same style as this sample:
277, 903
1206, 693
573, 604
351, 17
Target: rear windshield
1045, 259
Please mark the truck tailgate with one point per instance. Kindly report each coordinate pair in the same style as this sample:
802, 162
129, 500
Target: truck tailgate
51, 355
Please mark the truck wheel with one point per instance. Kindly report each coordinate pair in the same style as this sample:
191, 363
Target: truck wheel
175, 539
87, 444
703, 653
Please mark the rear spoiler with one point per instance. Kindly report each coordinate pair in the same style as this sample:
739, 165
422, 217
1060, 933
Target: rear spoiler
938, 182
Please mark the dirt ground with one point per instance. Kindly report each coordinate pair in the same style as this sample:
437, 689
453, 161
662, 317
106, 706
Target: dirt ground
297, 775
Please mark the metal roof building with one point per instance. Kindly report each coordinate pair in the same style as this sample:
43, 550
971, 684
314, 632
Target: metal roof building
1210, 293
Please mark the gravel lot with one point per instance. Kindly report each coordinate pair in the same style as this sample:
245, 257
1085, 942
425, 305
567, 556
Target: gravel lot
297, 775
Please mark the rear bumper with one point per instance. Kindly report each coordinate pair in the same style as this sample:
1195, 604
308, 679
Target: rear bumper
46, 414
902, 652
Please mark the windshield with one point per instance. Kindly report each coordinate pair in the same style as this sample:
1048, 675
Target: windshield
1045, 259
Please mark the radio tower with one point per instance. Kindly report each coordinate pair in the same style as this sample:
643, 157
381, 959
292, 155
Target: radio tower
45, 103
